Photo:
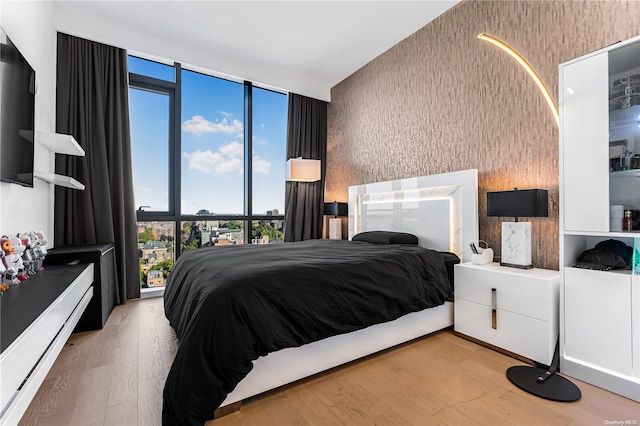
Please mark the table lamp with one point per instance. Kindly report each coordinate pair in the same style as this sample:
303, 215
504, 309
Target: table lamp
335, 209
516, 236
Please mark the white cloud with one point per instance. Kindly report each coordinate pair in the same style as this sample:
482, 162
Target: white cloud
144, 189
226, 114
230, 165
228, 158
260, 165
199, 125
204, 161
234, 149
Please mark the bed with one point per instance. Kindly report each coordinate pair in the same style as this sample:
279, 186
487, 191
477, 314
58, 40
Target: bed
291, 310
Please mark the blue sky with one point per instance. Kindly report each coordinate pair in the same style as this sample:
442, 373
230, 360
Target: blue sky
212, 152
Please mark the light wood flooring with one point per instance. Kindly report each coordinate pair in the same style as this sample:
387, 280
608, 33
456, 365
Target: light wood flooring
115, 377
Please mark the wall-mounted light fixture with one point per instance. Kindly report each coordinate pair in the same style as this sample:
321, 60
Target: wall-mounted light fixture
515, 55
302, 170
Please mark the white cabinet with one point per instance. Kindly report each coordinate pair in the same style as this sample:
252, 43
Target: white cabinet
585, 126
513, 309
600, 310
38, 318
635, 326
598, 316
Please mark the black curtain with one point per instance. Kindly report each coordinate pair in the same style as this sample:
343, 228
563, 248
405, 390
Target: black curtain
306, 138
93, 106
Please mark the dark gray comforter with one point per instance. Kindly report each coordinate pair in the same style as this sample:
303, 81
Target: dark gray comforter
230, 305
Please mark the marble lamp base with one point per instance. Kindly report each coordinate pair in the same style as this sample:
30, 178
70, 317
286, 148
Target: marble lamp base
516, 245
335, 228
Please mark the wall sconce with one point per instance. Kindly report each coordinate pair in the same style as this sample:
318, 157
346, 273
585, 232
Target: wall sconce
516, 236
335, 209
302, 170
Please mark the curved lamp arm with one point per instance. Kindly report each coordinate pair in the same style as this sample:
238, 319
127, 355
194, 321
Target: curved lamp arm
515, 55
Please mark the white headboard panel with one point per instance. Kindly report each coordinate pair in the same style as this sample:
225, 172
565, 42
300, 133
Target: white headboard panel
441, 210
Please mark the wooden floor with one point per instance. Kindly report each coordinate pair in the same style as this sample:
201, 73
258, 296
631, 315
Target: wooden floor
115, 377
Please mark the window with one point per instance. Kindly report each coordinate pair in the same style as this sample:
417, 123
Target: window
208, 233
151, 69
150, 148
212, 145
269, 152
156, 242
267, 231
208, 159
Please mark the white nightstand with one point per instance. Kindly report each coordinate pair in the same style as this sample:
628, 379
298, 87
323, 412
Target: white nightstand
509, 308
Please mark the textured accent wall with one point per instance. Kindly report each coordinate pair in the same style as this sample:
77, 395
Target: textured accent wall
442, 100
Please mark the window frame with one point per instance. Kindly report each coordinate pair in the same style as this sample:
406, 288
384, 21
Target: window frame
171, 89
174, 214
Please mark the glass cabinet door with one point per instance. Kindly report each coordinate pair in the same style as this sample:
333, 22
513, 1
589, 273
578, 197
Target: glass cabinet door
584, 127
624, 137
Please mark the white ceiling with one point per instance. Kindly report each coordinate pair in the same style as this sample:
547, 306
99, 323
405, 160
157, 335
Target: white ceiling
305, 47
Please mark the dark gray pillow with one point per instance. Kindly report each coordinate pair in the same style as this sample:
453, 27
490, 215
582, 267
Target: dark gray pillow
386, 237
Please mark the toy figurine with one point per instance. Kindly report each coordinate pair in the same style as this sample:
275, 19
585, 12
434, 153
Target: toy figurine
27, 256
38, 257
10, 276
42, 249
5, 245
18, 250
35, 251
3, 269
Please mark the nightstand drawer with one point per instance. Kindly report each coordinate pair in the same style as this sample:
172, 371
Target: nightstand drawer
514, 292
519, 334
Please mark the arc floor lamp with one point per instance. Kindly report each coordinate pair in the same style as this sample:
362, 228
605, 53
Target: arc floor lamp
538, 381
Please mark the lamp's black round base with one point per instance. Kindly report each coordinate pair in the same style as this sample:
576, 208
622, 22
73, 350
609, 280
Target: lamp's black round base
555, 388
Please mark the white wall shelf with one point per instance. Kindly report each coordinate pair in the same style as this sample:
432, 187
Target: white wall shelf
624, 173
60, 144
55, 142
620, 234
60, 180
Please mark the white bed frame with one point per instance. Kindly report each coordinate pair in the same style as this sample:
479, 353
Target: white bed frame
442, 210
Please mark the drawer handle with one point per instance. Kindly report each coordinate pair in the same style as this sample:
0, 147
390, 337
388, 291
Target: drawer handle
494, 306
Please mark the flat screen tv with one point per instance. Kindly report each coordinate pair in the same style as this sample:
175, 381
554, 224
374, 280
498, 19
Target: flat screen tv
17, 110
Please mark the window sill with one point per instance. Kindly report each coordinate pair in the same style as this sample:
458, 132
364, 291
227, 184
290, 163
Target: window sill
146, 293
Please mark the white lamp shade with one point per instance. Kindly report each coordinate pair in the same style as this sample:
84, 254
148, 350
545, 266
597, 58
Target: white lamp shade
301, 170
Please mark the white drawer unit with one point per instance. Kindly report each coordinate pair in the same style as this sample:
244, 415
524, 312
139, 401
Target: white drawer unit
38, 316
512, 309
